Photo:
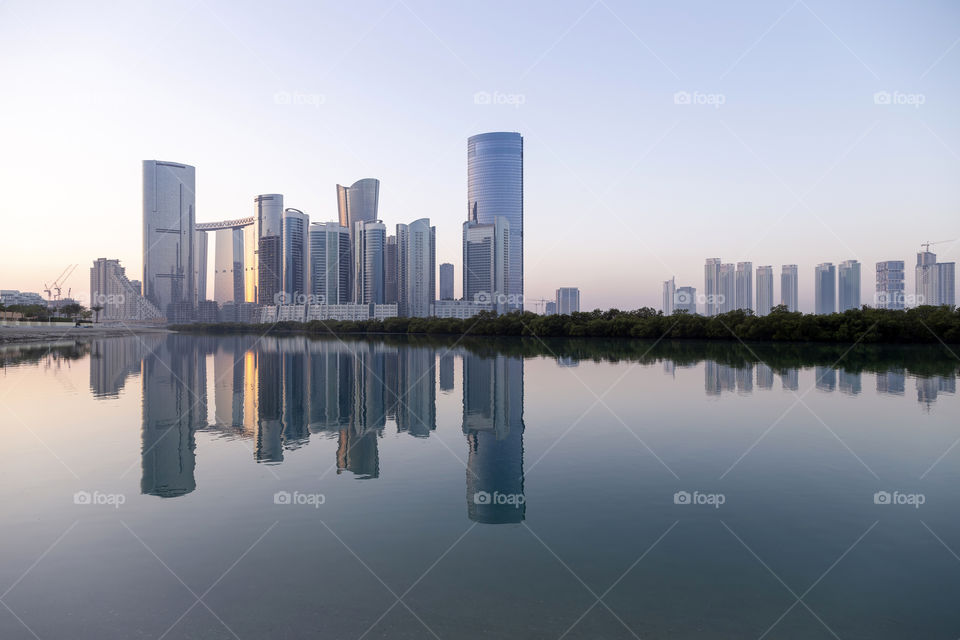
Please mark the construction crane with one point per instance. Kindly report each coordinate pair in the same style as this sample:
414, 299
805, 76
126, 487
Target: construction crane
926, 245
538, 303
58, 283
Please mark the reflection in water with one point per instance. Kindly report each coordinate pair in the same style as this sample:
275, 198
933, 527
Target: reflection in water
278, 392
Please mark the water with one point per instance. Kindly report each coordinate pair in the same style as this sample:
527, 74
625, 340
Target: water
244, 487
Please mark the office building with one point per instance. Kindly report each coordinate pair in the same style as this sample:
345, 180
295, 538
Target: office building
568, 300
890, 290
117, 297
369, 239
669, 291
416, 268
494, 190
228, 267
789, 287
685, 299
728, 287
825, 280
295, 263
169, 216
486, 262
330, 264
550, 308
744, 286
848, 285
446, 281
390, 284
935, 281
764, 290
711, 286
199, 266
268, 222
358, 203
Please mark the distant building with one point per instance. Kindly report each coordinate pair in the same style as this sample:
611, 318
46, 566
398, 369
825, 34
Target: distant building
728, 287
685, 299
744, 286
669, 291
358, 203
118, 297
486, 262
825, 280
295, 251
416, 268
550, 308
369, 239
890, 285
169, 216
462, 309
10, 297
446, 281
568, 300
268, 222
330, 263
228, 267
208, 311
935, 281
390, 284
764, 291
338, 312
848, 286
789, 287
711, 286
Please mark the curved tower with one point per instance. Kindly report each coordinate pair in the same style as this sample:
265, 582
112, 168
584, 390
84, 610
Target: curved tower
495, 189
268, 222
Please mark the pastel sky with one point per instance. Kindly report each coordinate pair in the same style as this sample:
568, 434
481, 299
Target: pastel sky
782, 156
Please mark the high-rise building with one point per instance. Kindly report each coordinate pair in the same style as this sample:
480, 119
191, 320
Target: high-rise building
711, 286
369, 239
486, 262
550, 308
728, 287
446, 281
169, 217
330, 264
935, 281
848, 285
685, 299
295, 263
764, 289
495, 189
199, 266
228, 268
744, 285
890, 285
947, 283
789, 287
117, 297
268, 222
358, 203
669, 291
390, 284
568, 300
416, 268
825, 279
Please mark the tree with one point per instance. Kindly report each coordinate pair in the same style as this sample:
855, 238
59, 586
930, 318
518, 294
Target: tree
97, 308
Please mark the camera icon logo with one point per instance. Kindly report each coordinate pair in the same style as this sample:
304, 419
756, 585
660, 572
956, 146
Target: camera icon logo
82, 497
483, 297
881, 497
281, 497
681, 497
881, 97
481, 497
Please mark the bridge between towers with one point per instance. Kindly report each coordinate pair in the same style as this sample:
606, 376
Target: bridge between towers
239, 223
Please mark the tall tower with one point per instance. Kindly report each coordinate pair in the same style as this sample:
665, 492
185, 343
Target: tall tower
369, 239
764, 290
446, 281
825, 279
495, 189
711, 286
359, 202
486, 262
268, 222
330, 263
169, 218
669, 293
295, 240
890, 285
728, 287
789, 292
744, 286
416, 268
848, 289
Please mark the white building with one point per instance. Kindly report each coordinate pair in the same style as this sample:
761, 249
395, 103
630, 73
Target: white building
119, 299
789, 291
669, 291
568, 300
744, 286
416, 268
462, 309
764, 290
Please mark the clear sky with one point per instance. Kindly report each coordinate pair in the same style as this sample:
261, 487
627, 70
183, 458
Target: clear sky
782, 156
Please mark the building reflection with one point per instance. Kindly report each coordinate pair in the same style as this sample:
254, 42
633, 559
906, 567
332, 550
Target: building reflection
892, 382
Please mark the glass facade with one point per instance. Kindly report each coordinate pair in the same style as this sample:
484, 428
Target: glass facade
416, 268
295, 223
169, 216
268, 221
330, 262
495, 189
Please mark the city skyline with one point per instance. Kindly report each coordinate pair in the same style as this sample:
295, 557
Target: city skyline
788, 167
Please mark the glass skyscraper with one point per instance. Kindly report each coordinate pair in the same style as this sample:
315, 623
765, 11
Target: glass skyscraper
169, 218
268, 222
495, 189
295, 225
825, 279
848, 289
330, 263
764, 290
789, 291
416, 268
890, 284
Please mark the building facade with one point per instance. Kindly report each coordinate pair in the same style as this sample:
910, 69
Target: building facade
825, 296
268, 222
446, 281
711, 286
568, 300
890, 291
789, 287
764, 289
117, 297
848, 285
296, 226
486, 262
744, 285
685, 300
669, 292
369, 240
728, 287
416, 268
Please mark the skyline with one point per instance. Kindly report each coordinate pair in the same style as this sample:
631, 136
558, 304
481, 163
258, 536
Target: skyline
603, 142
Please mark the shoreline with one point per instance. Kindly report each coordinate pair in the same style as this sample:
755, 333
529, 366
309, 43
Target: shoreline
11, 334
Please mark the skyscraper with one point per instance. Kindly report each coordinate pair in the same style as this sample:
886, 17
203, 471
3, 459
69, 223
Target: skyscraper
711, 286
764, 290
446, 281
495, 189
947, 283
744, 285
669, 292
789, 287
848, 289
890, 285
825, 279
935, 281
369, 239
486, 262
118, 297
416, 268
685, 299
358, 203
268, 222
228, 268
295, 264
568, 300
390, 284
330, 264
728, 287
199, 266
169, 216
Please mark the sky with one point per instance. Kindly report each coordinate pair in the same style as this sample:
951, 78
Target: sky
656, 134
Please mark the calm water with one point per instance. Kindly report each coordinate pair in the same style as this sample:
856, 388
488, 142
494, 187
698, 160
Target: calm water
236, 487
